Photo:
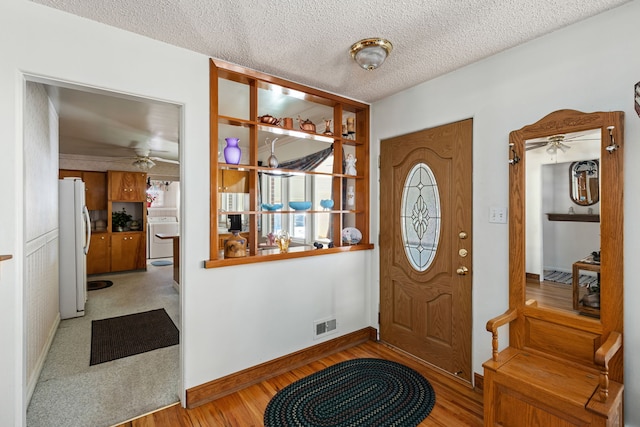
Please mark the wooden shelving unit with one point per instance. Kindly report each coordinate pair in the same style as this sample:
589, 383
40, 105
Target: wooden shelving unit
239, 98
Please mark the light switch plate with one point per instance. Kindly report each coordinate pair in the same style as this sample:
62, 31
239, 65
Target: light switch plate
498, 215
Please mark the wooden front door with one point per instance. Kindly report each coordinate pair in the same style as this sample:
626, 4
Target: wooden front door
425, 245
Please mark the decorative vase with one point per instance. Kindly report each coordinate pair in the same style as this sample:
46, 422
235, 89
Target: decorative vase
272, 160
351, 125
351, 196
327, 127
282, 241
232, 152
235, 246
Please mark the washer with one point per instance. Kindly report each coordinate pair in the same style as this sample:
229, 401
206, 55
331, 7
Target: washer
156, 247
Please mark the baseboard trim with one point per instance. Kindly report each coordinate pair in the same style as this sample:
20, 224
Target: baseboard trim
224, 386
478, 382
33, 380
463, 388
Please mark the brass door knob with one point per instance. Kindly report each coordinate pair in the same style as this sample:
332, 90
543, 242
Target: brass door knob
462, 270
463, 235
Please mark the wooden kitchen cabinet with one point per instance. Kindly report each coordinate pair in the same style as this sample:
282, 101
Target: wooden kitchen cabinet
95, 190
233, 181
114, 251
128, 251
68, 173
95, 187
127, 186
99, 256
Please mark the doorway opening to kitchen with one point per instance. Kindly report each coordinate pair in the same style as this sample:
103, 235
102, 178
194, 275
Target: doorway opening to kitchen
87, 130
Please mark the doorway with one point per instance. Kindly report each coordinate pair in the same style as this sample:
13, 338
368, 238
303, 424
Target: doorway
425, 245
43, 158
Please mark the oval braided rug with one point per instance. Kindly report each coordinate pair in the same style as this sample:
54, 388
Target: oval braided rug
359, 392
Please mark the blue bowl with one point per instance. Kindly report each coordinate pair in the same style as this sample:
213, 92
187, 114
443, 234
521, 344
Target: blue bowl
326, 203
299, 206
270, 207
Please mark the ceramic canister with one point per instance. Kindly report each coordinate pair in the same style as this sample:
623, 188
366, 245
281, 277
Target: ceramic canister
235, 246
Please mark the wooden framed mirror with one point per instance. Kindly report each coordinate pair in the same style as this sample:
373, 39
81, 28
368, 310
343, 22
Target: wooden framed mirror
564, 362
566, 257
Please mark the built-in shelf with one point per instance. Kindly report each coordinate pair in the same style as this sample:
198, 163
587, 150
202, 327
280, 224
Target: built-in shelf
573, 217
239, 99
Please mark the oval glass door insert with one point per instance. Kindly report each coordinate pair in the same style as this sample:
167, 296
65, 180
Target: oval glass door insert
420, 217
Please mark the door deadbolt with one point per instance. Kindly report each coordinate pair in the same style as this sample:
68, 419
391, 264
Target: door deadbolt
463, 235
462, 270
463, 253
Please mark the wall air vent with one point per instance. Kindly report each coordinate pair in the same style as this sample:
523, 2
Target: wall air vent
322, 327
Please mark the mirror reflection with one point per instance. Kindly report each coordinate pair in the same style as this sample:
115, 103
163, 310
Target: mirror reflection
562, 228
584, 182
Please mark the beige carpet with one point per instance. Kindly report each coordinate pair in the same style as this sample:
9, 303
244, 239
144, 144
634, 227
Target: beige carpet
71, 393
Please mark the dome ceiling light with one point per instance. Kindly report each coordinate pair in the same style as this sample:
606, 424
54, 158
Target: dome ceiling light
371, 53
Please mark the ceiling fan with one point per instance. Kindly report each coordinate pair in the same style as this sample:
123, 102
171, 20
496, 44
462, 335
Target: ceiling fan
145, 162
553, 144
560, 142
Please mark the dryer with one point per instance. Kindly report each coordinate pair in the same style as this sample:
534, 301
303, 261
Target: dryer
156, 247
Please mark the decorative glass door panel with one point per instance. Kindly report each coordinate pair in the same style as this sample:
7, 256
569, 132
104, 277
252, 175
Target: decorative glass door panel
420, 217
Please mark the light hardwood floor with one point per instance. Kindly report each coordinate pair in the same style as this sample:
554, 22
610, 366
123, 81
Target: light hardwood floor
552, 294
455, 406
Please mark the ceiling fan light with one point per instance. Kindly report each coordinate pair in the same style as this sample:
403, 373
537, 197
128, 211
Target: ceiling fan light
371, 53
144, 164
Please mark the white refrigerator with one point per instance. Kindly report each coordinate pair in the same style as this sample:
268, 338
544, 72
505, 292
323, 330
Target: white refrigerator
74, 238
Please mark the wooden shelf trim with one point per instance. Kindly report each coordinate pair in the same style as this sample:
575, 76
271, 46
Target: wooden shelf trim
266, 255
573, 217
287, 212
5, 257
243, 168
296, 133
240, 74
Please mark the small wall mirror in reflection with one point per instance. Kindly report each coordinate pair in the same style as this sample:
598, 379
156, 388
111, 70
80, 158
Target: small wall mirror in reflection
584, 183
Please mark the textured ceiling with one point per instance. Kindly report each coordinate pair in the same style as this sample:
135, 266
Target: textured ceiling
308, 41
299, 40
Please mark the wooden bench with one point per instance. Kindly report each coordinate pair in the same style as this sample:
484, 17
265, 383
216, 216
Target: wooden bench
525, 387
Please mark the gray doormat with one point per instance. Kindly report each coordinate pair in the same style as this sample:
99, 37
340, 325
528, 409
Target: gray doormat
123, 336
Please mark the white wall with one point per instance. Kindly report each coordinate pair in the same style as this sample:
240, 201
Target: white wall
41, 41
564, 242
233, 317
41, 230
591, 66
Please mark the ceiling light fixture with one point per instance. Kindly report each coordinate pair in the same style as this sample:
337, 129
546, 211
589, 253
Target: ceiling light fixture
144, 163
371, 53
